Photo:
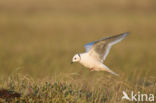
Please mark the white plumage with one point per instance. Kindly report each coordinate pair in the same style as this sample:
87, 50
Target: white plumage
96, 53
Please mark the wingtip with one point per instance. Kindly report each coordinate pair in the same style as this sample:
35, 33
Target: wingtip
126, 33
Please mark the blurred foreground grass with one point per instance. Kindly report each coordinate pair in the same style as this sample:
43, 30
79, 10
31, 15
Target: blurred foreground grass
39, 38
50, 90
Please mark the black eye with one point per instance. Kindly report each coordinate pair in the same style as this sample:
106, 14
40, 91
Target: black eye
75, 58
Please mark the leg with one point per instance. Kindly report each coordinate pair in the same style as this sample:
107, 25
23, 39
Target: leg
91, 69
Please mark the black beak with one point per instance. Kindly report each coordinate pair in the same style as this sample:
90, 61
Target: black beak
71, 62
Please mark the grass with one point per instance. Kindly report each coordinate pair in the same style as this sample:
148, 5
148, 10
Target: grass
73, 91
38, 40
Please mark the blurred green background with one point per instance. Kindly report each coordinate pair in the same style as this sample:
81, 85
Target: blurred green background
39, 38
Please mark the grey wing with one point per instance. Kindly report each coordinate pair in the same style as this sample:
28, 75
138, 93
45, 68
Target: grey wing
101, 48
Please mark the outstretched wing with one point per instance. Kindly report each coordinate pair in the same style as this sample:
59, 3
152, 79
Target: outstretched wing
89, 46
100, 49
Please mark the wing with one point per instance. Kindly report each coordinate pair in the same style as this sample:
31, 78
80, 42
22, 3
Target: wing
100, 49
89, 46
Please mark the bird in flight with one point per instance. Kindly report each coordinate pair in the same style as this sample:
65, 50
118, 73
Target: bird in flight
96, 53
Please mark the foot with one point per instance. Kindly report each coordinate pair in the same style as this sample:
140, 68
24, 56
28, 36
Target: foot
91, 69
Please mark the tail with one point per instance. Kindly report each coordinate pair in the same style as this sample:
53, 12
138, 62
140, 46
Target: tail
109, 70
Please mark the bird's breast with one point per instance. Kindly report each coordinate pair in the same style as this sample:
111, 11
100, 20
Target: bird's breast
88, 61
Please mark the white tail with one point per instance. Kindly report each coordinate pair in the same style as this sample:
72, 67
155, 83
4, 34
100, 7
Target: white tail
109, 70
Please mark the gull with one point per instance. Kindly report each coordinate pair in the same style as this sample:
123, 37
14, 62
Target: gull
96, 53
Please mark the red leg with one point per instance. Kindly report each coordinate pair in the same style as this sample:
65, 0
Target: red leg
91, 69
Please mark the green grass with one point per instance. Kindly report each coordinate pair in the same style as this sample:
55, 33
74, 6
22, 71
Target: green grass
38, 39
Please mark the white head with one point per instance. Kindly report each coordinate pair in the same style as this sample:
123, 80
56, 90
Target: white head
76, 58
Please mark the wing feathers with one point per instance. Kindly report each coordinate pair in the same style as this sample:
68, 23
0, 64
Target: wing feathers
89, 46
100, 49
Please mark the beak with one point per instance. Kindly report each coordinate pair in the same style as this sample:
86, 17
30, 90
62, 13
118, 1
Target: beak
71, 62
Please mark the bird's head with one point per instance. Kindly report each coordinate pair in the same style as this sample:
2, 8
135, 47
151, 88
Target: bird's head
76, 58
